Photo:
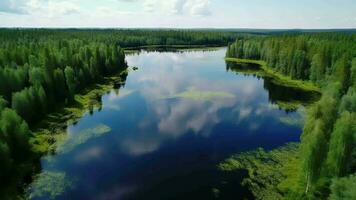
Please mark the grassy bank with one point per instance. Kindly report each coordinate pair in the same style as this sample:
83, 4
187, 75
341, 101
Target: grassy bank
53, 126
282, 79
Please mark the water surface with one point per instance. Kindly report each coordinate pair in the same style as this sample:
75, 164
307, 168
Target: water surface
162, 135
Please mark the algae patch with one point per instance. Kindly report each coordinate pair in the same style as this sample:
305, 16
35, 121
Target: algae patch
70, 142
50, 184
298, 122
266, 171
200, 95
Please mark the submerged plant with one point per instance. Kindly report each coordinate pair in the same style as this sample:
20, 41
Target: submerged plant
50, 184
73, 140
200, 95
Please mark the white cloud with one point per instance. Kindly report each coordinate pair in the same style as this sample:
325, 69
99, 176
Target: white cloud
179, 7
149, 5
62, 8
201, 8
13, 6
50, 8
128, 1
53, 8
107, 11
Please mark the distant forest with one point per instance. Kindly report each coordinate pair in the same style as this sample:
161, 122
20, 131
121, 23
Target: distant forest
327, 154
122, 37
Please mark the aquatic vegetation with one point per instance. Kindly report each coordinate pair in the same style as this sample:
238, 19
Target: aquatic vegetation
50, 184
112, 107
292, 106
200, 95
68, 143
292, 121
266, 170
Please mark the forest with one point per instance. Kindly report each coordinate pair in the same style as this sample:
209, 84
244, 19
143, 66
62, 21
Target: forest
126, 37
36, 78
326, 157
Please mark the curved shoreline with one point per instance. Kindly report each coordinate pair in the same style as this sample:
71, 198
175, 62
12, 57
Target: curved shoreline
304, 85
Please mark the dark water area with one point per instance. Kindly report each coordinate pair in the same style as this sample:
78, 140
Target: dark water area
162, 135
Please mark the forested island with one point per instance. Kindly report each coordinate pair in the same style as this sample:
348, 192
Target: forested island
44, 71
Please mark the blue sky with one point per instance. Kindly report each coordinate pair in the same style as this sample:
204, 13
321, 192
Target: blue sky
179, 13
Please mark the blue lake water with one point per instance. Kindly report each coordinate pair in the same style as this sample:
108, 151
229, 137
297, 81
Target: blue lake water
162, 134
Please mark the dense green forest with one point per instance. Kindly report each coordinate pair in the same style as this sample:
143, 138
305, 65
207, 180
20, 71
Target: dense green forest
327, 154
37, 76
124, 37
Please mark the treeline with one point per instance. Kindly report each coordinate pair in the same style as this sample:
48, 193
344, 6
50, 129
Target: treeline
125, 37
328, 147
37, 76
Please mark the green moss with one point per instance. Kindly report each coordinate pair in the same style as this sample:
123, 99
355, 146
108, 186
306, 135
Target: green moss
197, 95
267, 171
280, 78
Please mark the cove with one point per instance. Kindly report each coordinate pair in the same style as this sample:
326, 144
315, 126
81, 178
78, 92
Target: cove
162, 135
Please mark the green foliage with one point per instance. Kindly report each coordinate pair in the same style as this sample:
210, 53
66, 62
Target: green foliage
278, 77
14, 134
124, 38
30, 103
343, 188
302, 56
35, 80
343, 139
348, 101
328, 148
71, 82
15, 154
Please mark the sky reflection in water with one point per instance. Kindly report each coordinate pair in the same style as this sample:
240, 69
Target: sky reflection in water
175, 119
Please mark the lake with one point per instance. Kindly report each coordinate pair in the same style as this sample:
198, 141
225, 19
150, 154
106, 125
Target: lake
162, 135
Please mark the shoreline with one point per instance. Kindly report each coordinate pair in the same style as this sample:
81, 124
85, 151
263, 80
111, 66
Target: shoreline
53, 127
285, 80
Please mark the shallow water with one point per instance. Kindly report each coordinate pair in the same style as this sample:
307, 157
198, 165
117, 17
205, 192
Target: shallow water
162, 135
